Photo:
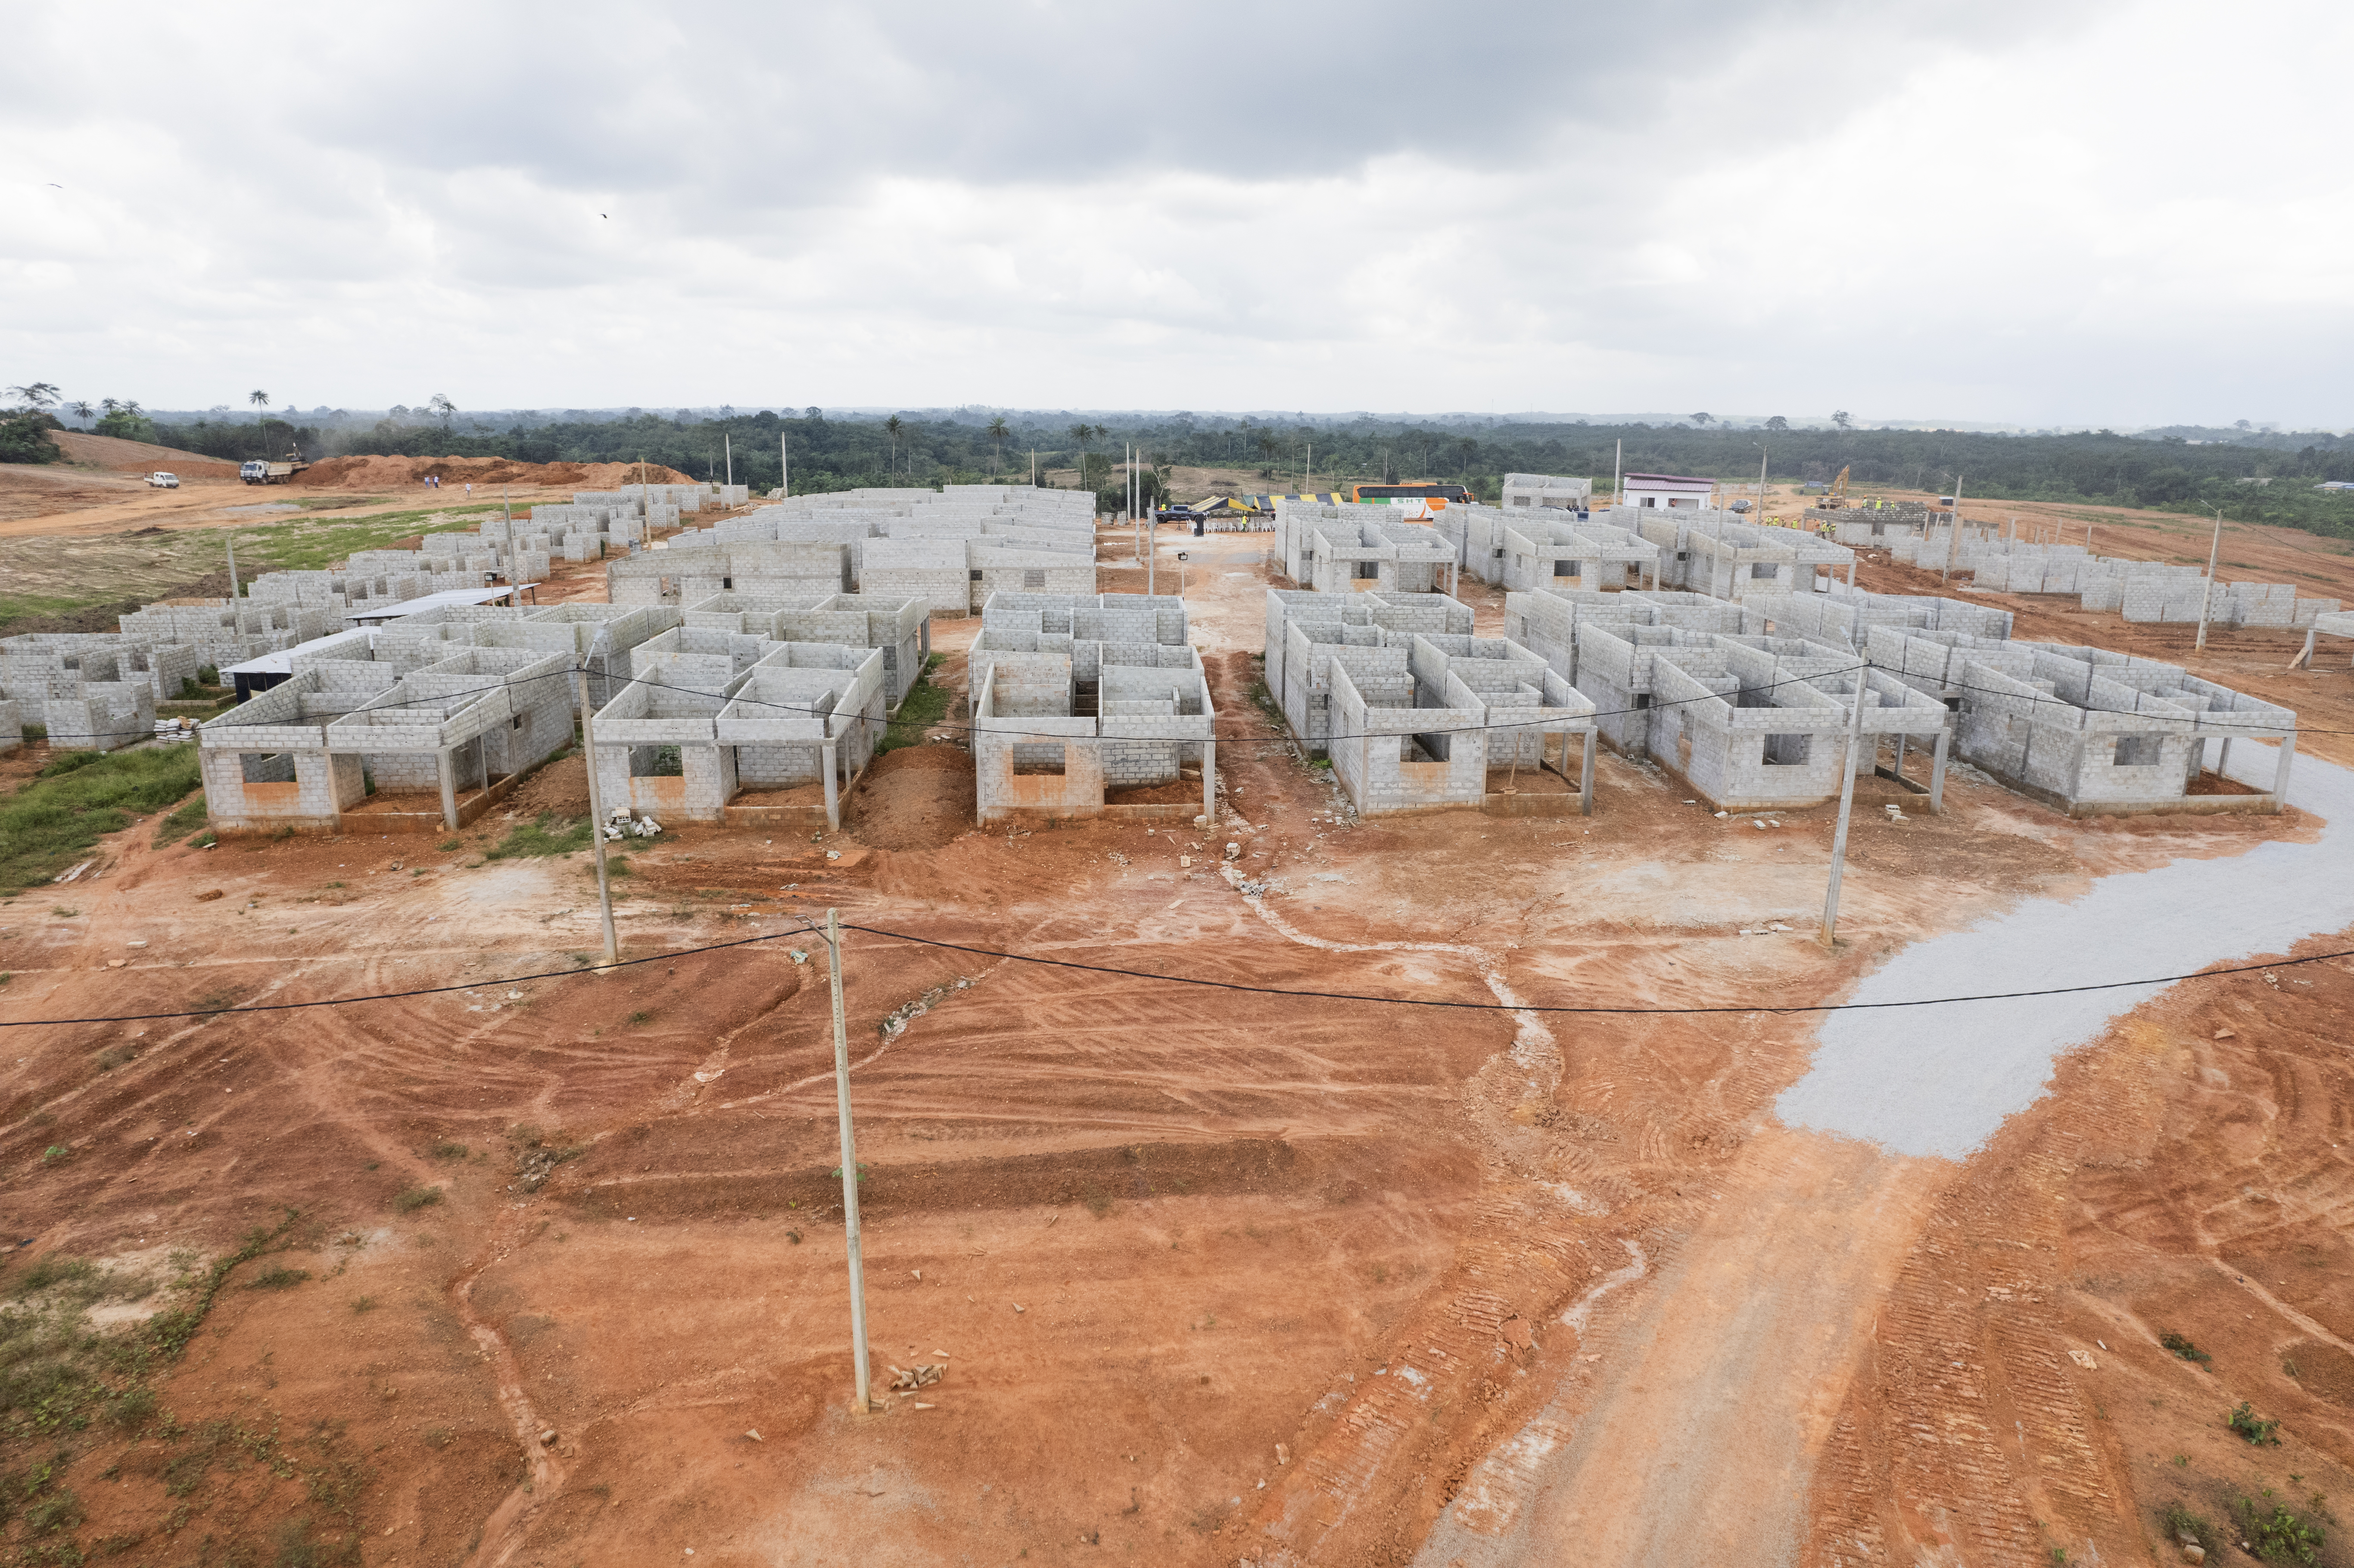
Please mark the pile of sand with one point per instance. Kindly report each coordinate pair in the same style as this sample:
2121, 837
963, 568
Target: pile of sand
397, 472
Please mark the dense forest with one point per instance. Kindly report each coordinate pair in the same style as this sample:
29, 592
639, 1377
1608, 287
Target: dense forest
2168, 471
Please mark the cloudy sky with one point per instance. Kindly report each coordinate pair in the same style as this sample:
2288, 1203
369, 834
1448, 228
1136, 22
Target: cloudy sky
2081, 212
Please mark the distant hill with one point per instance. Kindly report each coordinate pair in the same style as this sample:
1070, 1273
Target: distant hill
137, 457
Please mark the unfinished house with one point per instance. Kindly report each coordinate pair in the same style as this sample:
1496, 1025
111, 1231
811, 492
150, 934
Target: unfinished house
1714, 553
799, 715
1307, 632
1753, 723
1545, 620
1548, 490
1846, 616
2337, 623
1349, 548
82, 688
1079, 701
806, 713
900, 628
349, 743
1578, 558
2089, 732
1436, 722
934, 572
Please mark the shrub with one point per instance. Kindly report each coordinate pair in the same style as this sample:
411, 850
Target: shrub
2259, 1432
447, 1150
2280, 1536
278, 1278
2178, 1522
417, 1198
2183, 1348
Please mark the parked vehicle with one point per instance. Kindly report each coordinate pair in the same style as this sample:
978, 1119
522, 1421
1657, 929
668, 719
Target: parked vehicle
159, 480
260, 472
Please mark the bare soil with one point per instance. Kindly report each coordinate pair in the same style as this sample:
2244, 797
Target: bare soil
1172, 1242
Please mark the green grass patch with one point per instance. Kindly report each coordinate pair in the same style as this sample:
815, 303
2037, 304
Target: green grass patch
925, 706
185, 820
81, 797
549, 835
2257, 1431
310, 546
417, 1198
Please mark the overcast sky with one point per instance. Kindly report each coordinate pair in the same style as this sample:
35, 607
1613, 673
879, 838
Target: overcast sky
2045, 211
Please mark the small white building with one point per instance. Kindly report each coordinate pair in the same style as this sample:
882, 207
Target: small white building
1677, 490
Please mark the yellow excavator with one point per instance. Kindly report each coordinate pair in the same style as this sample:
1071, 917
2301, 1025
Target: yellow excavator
1835, 499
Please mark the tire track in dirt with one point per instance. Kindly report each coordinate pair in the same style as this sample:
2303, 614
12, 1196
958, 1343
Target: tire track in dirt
1456, 1346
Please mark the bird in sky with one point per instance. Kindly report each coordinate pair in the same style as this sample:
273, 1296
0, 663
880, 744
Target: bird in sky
54, 185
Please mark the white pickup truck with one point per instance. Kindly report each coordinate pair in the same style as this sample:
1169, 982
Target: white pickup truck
159, 480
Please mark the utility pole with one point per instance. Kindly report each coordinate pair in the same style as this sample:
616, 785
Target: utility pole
848, 1162
1847, 803
232, 568
784, 464
1953, 533
728, 446
646, 513
595, 814
2207, 599
506, 500
1617, 456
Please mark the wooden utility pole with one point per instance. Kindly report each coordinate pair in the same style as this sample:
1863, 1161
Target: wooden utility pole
2207, 599
596, 813
1847, 803
848, 1162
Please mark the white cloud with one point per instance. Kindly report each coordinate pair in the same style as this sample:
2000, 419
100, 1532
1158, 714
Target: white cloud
2116, 213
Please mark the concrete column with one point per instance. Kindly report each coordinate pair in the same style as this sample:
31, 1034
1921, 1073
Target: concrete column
1586, 775
445, 764
2224, 763
2280, 776
832, 786
1937, 773
1901, 738
1850, 571
1210, 781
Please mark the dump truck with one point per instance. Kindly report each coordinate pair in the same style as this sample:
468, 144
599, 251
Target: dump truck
262, 471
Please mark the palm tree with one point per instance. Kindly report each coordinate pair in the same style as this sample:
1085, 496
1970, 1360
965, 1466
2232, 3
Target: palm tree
1080, 433
440, 404
998, 431
260, 401
39, 394
892, 426
80, 411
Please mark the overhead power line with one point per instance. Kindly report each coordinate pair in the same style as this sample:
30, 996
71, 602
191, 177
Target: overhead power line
674, 955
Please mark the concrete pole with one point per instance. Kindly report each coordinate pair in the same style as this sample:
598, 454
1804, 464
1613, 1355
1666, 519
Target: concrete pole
849, 1163
1586, 775
445, 764
506, 500
1152, 557
232, 568
832, 786
1847, 803
1617, 456
596, 815
784, 464
2207, 599
727, 447
645, 511
1953, 537
1210, 782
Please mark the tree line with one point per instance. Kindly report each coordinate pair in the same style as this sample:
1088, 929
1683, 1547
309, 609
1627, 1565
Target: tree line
829, 453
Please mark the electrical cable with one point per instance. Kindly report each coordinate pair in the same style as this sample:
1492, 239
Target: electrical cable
672, 955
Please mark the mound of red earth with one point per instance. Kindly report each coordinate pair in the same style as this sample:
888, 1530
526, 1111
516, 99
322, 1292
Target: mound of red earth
368, 473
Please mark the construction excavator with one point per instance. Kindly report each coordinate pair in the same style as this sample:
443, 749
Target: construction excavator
1835, 499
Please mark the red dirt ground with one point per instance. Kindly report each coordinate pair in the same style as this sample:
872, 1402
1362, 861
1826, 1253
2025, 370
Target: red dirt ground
1169, 1242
